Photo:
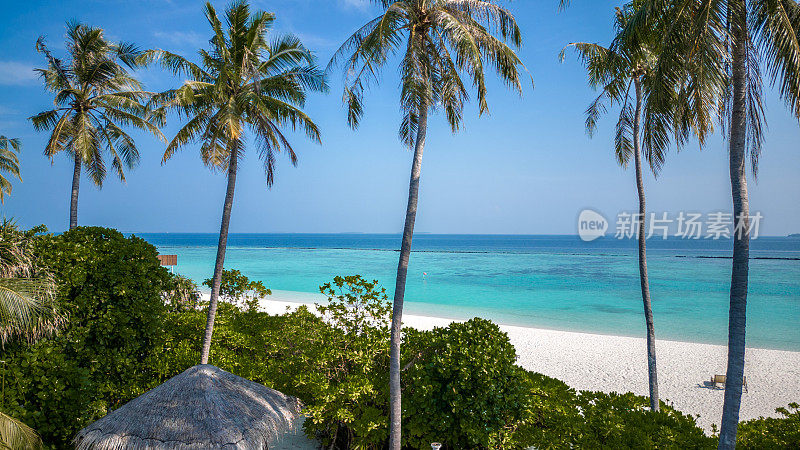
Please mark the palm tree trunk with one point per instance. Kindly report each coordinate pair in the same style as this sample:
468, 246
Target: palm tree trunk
223, 243
643, 280
73, 202
741, 241
395, 402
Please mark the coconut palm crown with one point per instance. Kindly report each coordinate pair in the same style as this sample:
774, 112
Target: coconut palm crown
243, 83
440, 42
95, 97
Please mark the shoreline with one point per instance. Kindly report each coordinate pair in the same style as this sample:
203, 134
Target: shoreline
610, 363
411, 309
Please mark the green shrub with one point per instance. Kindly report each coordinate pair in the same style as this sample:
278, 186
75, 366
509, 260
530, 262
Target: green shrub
337, 364
772, 433
462, 388
551, 418
625, 421
182, 294
237, 289
111, 288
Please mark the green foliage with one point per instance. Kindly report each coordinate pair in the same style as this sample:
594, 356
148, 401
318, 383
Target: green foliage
462, 386
182, 294
27, 291
9, 162
342, 366
625, 421
16, 435
94, 97
244, 51
550, 416
336, 361
238, 289
556, 416
112, 288
772, 433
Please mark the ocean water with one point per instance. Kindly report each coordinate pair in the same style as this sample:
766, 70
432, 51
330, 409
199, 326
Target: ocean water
557, 282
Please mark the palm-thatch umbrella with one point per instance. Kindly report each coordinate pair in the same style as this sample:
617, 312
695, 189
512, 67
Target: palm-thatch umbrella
203, 407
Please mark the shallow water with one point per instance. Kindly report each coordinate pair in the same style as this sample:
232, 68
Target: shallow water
555, 282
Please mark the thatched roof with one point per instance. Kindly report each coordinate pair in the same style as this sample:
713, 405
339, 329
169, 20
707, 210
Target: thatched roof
203, 407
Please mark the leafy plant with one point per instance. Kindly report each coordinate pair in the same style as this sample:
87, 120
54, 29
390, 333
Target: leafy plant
182, 295
238, 289
112, 287
462, 386
772, 433
27, 290
245, 80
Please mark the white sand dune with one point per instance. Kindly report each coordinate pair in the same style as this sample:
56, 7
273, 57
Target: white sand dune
618, 364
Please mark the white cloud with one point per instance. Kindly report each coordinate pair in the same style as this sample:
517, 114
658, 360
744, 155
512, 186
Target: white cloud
359, 4
315, 42
16, 73
183, 38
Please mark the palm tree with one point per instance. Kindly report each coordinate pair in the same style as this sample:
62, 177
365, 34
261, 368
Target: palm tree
617, 72
9, 162
243, 82
440, 40
27, 310
714, 50
94, 97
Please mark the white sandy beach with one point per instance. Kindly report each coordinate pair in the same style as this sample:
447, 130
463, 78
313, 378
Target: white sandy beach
618, 364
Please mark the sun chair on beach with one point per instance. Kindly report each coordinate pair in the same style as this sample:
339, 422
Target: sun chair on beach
720, 379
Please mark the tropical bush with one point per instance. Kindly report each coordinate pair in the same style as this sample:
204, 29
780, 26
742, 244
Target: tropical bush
625, 421
111, 288
238, 289
772, 433
182, 294
462, 387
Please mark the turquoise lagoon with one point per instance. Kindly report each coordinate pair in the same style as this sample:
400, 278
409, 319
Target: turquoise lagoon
557, 282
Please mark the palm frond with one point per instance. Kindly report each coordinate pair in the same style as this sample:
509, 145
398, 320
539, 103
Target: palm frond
9, 163
16, 435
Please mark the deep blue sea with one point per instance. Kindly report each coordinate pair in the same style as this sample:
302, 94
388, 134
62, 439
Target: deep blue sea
557, 282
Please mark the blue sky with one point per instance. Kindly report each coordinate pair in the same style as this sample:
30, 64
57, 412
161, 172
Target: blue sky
527, 168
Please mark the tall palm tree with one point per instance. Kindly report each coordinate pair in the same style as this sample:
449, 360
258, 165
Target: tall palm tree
95, 96
27, 310
441, 40
243, 82
624, 76
9, 162
714, 50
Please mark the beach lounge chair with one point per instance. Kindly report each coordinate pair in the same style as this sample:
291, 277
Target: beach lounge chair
720, 379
